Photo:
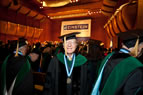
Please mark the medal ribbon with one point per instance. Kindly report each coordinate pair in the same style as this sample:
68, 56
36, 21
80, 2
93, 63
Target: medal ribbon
124, 50
73, 62
18, 53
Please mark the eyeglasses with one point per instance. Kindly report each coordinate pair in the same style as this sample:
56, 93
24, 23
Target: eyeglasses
71, 42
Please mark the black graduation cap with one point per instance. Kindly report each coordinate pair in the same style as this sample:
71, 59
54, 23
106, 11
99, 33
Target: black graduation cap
69, 36
21, 41
36, 50
16, 44
49, 44
94, 42
38, 45
130, 37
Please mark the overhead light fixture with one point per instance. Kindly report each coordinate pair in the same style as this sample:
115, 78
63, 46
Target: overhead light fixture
73, 13
74, 1
68, 16
53, 3
101, 44
41, 7
92, 12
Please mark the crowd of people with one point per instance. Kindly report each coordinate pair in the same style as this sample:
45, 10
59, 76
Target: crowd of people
44, 51
71, 67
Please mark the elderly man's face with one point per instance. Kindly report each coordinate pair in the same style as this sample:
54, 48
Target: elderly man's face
23, 49
140, 49
34, 56
71, 45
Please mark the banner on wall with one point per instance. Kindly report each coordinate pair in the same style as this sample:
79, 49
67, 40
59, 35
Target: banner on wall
30, 31
3, 27
82, 26
21, 30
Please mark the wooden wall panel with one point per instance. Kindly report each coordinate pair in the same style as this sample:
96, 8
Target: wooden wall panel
56, 30
37, 33
3, 27
30, 32
47, 33
12, 28
98, 32
17, 18
21, 30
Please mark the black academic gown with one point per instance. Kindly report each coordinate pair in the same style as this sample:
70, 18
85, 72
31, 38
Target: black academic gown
45, 61
132, 84
56, 79
14, 65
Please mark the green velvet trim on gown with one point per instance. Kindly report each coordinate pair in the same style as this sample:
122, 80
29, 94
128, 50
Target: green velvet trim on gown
79, 60
118, 74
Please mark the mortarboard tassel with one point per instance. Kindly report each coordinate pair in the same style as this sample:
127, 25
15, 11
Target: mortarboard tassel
134, 52
65, 45
17, 48
87, 48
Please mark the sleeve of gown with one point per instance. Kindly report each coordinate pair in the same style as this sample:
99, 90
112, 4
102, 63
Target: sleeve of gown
134, 83
49, 81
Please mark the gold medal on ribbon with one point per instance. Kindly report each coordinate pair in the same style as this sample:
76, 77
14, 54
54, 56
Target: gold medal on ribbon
68, 80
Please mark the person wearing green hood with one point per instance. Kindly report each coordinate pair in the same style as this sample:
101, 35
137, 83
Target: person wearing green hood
16, 74
67, 73
121, 73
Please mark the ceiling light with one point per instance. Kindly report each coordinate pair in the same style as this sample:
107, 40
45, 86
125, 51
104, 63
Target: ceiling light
41, 7
56, 3
67, 16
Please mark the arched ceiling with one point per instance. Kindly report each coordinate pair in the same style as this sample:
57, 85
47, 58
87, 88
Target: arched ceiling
81, 8
56, 9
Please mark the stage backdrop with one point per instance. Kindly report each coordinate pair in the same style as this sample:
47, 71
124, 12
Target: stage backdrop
83, 26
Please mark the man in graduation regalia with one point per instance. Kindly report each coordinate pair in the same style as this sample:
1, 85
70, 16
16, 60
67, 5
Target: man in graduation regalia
120, 72
16, 75
67, 73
